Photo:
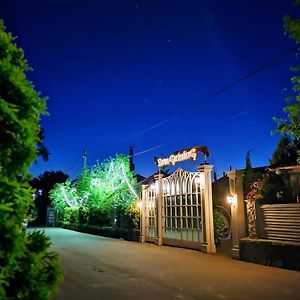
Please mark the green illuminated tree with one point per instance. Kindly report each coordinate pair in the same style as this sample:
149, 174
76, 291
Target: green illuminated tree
108, 188
27, 269
291, 124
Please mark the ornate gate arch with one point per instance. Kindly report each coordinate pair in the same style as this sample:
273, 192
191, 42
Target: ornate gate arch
177, 210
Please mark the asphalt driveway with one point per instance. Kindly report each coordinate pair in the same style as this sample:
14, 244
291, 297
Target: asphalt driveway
104, 268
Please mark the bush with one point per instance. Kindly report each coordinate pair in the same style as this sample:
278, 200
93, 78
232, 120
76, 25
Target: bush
27, 269
220, 226
134, 213
107, 231
82, 215
38, 270
273, 188
96, 216
70, 215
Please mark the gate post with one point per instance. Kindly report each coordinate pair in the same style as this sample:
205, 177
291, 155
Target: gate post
158, 182
206, 191
237, 210
143, 215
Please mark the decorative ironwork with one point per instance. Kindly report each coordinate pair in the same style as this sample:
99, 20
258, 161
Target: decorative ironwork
182, 212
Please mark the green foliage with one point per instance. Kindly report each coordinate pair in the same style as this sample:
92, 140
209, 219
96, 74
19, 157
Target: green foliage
59, 193
23, 273
70, 215
220, 226
102, 193
134, 213
291, 124
82, 215
38, 271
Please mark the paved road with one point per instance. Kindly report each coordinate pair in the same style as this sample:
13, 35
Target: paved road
103, 268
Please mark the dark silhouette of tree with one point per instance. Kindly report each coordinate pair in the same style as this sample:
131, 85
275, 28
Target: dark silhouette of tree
249, 175
43, 152
215, 176
285, 153
43, 184
248, 161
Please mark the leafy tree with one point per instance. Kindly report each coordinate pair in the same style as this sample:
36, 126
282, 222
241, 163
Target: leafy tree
291, 125
43, 184
27, 269
220, 226
105, 189
285, 153
63, 195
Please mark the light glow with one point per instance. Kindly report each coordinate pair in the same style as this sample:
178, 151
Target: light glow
139, 204
232, 200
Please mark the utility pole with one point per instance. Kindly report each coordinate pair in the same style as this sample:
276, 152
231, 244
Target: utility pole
84, 159
131, 164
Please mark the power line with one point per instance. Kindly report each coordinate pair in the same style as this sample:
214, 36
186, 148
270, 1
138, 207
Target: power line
206, 98
219, 91
147, 150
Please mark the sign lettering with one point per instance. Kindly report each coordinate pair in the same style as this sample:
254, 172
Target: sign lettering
181, 156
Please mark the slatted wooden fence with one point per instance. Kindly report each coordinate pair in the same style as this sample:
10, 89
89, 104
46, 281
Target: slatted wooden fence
280, 222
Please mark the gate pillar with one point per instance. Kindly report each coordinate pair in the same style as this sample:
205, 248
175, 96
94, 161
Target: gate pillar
237, 210
143, 215
208, 222
158, 184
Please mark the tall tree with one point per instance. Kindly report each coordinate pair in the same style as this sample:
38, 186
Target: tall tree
285, 153
249, 174
27, 269
291, 124
43, 184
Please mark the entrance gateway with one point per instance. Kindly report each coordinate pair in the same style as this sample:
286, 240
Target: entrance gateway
177, 209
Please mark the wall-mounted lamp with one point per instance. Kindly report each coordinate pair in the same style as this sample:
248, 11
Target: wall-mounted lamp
232, 200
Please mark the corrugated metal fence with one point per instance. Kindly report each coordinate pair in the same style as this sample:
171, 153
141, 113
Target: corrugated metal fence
280, 222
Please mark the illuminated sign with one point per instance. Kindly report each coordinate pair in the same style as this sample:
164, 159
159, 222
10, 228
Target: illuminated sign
181, 156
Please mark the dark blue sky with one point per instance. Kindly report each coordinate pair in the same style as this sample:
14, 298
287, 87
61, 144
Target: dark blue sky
113, 70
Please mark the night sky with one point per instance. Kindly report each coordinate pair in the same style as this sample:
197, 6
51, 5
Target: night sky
151, 74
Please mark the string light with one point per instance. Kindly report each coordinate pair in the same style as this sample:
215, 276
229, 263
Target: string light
114, 178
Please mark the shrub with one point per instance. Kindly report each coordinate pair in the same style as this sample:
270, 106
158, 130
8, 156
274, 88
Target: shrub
26, 272
134, 213
70, 215
82, 215
96, 216
220, 226
38, 270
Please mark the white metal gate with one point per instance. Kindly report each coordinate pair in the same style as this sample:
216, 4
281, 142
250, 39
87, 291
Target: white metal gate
177, 210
